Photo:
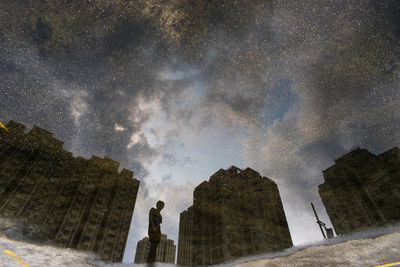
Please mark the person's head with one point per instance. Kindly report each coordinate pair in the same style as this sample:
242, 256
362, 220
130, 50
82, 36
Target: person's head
160, 205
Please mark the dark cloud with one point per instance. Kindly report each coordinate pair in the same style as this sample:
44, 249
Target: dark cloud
42, 33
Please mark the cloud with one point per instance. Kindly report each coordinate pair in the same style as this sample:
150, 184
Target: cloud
168, 75
169, 159
119, 128
135, 139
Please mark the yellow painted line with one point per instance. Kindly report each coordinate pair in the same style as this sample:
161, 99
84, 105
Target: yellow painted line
389, 264
17, 258
4, 127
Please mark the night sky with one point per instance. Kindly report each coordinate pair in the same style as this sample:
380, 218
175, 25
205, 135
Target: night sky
176, 90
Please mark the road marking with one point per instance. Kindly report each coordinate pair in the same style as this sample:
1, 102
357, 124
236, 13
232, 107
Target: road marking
389, 264
4, 127
17, 258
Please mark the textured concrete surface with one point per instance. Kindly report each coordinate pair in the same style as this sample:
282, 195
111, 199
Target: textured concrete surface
362, 252
36, 255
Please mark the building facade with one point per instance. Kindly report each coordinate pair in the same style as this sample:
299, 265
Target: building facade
236, 213
362, 190
185, 252
165, 251
80, 203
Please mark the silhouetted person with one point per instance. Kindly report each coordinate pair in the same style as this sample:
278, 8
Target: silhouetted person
155, 219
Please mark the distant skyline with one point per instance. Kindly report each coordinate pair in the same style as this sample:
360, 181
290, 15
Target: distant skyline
177, 90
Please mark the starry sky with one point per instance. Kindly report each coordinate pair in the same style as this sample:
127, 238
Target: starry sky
176, 90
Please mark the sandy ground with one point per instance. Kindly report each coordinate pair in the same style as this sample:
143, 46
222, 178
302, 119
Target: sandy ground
368, 248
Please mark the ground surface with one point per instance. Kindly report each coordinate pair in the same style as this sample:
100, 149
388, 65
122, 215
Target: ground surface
368, 248
36, 255
362, 252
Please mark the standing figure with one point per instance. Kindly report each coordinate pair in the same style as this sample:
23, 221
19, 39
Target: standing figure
155, 219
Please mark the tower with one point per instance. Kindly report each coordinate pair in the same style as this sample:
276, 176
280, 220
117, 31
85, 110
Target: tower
362, 190
236, 213
165, 251
77, 203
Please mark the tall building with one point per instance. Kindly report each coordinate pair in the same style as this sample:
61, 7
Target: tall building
79, 203
362, 190
236, 213
185, 252
165, 251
